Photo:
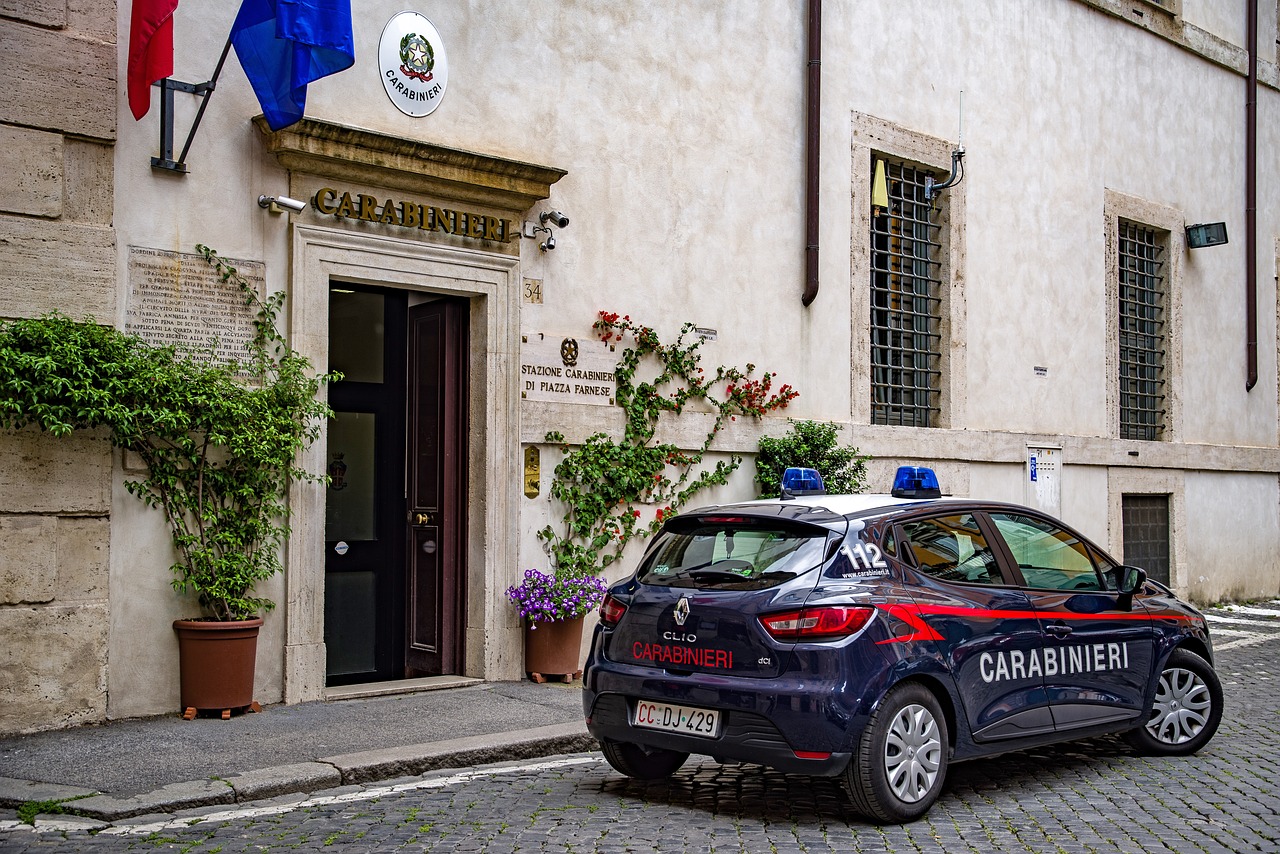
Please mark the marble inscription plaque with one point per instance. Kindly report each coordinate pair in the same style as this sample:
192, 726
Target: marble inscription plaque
178, 298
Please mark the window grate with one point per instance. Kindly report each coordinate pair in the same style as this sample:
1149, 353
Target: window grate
906, 303
1145, 519
1142, 332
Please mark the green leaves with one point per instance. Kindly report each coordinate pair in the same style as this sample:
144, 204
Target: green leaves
219, 451
810, 444
601, 482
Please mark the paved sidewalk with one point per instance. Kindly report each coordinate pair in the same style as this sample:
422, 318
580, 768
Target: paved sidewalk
164, 764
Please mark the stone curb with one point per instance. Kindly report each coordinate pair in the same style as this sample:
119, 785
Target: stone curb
327, 773
373, 765
15, 792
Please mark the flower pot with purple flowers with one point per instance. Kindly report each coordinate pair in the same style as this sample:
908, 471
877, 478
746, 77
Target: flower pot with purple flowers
554, 607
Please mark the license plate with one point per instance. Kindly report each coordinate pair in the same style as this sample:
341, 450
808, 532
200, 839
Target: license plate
672, 718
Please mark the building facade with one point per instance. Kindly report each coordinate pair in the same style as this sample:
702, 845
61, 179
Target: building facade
1043, 330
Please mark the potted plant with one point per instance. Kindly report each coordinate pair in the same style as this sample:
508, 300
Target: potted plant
553, 606
218, 443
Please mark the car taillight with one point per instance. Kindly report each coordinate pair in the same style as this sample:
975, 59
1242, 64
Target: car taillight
611, 611
822, 623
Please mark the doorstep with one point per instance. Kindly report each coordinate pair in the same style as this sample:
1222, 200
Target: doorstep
398, 686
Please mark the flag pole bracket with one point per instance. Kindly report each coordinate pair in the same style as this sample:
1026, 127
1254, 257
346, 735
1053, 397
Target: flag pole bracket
168, 86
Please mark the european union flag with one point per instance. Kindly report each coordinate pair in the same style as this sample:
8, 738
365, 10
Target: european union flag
285, 44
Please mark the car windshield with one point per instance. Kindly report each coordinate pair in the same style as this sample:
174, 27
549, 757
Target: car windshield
733, 553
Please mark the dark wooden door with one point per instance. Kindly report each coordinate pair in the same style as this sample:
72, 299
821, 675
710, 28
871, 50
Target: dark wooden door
364, 516
437, 487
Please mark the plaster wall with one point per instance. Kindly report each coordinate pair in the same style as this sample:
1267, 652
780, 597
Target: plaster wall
1230, 554
690, 180
1224, 20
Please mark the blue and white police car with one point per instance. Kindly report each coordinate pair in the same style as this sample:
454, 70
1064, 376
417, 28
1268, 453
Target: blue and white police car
881, 637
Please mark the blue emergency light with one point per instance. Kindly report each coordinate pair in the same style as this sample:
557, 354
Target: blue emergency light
801, 481
916, 482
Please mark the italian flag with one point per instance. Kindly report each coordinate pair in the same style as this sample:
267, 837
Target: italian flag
150, 50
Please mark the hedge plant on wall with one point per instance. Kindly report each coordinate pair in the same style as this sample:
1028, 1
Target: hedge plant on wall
815, 445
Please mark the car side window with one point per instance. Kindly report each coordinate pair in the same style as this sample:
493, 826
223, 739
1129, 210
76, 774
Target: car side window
951, 548
1050, 558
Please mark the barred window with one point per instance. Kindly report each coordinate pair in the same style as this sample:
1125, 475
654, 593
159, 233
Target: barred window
906, 301
1145, 522
1142, 331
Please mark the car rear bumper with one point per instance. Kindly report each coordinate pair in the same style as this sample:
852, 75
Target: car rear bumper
744, 737
805, 721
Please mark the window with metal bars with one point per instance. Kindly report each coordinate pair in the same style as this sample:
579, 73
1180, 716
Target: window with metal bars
906, 301
1142, 331
1145, 520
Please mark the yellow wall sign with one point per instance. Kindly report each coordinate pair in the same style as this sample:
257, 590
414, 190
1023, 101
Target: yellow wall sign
406, 214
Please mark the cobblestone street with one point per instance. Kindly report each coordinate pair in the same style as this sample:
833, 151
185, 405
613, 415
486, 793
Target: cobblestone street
1082, 797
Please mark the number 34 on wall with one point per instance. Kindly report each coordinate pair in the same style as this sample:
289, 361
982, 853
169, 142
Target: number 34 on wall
533, 290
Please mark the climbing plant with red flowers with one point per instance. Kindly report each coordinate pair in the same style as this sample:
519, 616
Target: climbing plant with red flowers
602, 481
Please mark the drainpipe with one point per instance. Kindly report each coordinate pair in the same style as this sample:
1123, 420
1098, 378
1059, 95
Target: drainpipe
1251, 204
812, 139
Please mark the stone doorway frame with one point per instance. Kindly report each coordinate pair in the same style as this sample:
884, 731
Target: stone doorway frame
317, 153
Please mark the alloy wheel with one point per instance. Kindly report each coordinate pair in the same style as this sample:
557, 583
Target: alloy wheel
1181, 708
912, 753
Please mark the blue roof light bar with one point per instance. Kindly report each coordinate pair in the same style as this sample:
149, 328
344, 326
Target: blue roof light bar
916, 482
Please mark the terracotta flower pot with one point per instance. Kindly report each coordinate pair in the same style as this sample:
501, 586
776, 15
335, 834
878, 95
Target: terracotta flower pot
553, 650
217, 662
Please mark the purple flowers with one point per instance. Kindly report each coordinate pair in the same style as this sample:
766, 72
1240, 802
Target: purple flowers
544, 598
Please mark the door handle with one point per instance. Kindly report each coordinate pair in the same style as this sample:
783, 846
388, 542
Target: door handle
422, 518
1060, 630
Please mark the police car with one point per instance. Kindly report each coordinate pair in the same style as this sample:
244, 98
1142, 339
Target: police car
879, 638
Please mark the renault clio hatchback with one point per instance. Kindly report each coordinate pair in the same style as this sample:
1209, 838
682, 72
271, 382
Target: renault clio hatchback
879, 638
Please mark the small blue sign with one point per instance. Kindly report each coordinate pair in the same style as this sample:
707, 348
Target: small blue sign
1033, 468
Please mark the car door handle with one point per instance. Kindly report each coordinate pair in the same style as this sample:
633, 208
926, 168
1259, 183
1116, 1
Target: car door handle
1060, 630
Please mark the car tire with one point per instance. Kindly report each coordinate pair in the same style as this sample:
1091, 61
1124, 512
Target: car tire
642, 763
1186, 710
900, 763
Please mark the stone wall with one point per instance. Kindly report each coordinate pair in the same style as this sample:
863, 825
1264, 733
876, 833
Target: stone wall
57, 250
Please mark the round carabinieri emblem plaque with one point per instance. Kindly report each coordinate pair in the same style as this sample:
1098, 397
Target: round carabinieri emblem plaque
412, 61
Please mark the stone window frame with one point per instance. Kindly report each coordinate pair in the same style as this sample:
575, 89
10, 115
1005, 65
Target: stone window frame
871, 136
1171, 222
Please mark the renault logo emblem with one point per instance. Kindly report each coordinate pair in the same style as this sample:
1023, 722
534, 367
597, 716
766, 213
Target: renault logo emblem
682, 610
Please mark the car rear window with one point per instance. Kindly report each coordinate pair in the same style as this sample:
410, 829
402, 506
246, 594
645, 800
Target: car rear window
733, 553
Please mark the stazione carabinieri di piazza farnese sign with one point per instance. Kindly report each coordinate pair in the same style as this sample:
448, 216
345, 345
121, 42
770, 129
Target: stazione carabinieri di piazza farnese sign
557, 370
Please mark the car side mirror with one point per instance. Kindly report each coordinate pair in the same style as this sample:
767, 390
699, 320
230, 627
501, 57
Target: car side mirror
1130, 580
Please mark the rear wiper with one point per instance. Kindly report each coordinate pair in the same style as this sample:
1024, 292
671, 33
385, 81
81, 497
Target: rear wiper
722, 574
735, 569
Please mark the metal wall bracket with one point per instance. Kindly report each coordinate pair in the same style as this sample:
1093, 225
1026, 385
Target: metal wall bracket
202, 90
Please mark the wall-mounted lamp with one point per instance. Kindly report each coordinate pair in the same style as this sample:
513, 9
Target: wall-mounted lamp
556, 218
279, 204
1206, 234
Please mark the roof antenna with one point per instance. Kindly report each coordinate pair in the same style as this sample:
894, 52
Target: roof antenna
957, 162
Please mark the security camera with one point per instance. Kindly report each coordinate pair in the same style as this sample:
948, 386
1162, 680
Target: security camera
558, 219
278, 204
549, 243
